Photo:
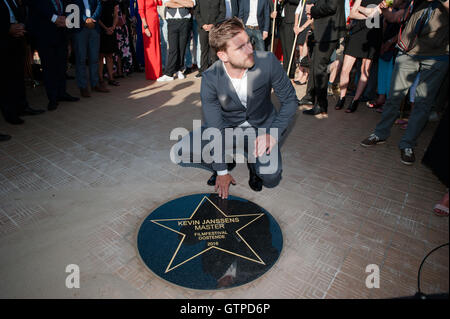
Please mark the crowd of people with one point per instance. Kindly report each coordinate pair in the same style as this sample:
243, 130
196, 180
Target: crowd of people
391, 55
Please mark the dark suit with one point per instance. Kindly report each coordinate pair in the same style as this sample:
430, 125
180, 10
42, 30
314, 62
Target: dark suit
329, 27
287, 34
222, 107
263, 17
234, 8
51, 44
208, 12
12, 54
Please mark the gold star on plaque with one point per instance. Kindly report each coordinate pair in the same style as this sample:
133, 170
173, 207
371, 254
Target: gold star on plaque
212, 231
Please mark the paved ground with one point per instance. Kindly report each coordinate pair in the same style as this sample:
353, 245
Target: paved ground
76, 183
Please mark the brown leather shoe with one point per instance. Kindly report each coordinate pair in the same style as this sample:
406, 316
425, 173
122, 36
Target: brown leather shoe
100, 88
85, 92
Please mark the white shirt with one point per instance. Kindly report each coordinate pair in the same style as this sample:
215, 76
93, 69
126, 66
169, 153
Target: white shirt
240, 86
177, 14
12, 18
229, 12
88, 8
252, 17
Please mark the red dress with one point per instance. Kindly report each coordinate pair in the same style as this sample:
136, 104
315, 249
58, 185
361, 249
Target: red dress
152, 46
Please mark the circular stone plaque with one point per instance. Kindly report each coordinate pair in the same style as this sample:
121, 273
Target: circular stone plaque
204, 242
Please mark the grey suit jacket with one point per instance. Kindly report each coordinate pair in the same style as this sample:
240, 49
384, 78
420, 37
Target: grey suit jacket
222, 108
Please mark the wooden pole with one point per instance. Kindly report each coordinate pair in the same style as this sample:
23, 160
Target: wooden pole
295, 39
273, 26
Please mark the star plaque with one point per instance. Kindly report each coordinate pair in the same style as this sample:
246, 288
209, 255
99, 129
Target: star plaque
204, 242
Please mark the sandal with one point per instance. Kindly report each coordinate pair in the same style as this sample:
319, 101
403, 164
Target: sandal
113, 83
440, 210
372, 105
401, 121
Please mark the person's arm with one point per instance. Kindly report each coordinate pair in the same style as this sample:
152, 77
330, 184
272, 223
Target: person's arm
180, 4
285, 92
266, 26
212, 115
222, 11
355, 14
393, 16
369, 12
98, 11
198, 15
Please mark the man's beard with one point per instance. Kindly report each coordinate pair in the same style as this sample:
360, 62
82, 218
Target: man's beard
246, 64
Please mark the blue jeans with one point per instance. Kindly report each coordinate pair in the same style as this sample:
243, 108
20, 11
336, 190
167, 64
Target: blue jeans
432, 73
86, 44
164, 41
256, 38
385, 69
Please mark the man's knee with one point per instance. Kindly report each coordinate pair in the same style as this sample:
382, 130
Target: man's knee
271, 180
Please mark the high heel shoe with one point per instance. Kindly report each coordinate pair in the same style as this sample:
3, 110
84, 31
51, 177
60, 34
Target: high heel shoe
352, 107
340, 104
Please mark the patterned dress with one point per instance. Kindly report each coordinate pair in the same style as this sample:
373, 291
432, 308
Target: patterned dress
123, 42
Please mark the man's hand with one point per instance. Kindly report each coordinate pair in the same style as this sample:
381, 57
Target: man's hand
308, 8
273, 15
265, 34
207, 27
223, 184
17, 30
61, 22
264, 144
90, 23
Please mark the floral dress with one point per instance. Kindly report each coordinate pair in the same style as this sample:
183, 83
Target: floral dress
123, 41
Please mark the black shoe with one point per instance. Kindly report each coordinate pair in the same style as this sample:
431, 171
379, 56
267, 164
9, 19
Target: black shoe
4, 137
69, 77
30, 111
198, 75
314, 111
68, 98
212, 180
407, 156
352, 107
15, 120
340, 104
52, 105
254, 181
305, 102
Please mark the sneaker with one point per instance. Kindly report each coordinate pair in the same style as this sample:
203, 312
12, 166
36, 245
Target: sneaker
407, 156
180, 75
164, 78
372, 140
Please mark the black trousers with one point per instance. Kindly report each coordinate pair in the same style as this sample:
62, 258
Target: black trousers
287, 37
54, 65
269, 169
208, 55
13, 95
178, 32
318, 75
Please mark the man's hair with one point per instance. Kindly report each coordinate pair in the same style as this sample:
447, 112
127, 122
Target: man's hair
224, 31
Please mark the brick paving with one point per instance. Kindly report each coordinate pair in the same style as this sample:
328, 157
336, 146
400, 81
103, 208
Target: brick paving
76, 183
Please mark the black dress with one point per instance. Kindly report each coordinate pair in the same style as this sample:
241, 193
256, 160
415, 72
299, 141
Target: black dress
364, 42
108, 42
